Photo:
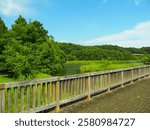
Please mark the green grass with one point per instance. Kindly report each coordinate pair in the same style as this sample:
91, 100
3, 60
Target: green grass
4, 78
107, 65
100, 61
101, 65
41, 75
85, 66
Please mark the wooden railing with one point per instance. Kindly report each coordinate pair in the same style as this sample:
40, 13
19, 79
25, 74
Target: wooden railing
43, 94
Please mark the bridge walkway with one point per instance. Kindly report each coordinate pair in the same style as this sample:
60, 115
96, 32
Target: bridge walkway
133, 98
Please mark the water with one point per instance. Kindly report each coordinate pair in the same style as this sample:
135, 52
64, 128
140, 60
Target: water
70, 69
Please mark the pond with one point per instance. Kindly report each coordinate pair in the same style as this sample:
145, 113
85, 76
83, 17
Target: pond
70, 69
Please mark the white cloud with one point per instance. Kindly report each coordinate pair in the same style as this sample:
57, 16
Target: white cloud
136, 37
136, 2
13, 7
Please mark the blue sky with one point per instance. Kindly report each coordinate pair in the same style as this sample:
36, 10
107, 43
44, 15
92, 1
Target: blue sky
87, 22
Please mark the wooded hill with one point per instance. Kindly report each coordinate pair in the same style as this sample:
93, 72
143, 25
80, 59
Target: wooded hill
104, 52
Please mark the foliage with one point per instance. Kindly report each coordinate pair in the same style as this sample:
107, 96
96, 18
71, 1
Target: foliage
146, 59
29, 51
3, 32
105, 52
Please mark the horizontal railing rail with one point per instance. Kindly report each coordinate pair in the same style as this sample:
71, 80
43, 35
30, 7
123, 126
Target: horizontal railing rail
42, 94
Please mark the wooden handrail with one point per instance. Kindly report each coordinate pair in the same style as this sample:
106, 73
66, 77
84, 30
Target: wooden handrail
42, 94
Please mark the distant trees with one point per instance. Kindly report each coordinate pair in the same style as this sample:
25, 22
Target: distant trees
28, 50
145, 50
105, 52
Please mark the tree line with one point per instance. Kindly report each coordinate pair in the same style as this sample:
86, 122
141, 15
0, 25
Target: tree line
26, 49
103, 52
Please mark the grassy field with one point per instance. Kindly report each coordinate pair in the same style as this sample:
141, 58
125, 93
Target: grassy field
4, 78
108, 65
84, 66
91, 66
101, 61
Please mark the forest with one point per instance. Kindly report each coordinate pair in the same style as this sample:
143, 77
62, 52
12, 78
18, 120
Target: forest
27, 49
103, 52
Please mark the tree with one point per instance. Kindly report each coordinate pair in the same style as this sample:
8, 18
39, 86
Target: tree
105, 52
29, 51
19, 30
52, 58
36, 32
3, 32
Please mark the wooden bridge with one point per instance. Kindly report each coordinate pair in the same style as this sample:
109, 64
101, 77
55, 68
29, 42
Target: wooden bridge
44, 94
133, 98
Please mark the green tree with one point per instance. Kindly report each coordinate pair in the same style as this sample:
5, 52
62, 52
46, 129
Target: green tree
52, 58
30, 51
19, 30
36, 32
3, 33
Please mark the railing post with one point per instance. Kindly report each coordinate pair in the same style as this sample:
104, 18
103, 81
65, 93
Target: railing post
132, 75
122, 78
89, 87
28, 98
2, 98
57, 94
109, 80
101, 81
145, 72
139, 73
148, 71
